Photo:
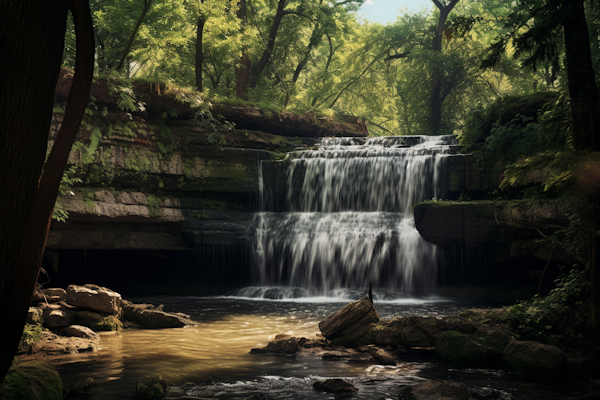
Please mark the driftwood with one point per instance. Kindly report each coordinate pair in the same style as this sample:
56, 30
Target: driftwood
350, 322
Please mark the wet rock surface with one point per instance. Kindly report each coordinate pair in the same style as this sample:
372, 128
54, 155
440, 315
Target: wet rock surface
70, 326
418, 331
435, 391
351, 322
335, 386
536, 359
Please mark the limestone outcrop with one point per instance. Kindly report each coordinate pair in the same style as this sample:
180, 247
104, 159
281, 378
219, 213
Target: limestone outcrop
506, 228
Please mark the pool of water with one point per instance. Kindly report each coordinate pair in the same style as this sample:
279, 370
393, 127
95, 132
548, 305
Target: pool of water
214, 355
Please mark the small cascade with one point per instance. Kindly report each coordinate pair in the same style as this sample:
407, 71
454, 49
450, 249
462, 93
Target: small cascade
348, 217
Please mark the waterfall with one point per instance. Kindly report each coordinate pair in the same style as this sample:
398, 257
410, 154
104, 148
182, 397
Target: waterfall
348, 220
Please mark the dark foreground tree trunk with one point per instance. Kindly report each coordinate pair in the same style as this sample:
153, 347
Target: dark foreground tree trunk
582, 83
586, 119
31, 44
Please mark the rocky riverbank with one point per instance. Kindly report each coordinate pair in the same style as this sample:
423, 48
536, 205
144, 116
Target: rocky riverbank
67, 321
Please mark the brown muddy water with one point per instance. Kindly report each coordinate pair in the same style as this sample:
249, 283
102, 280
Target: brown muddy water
212, 359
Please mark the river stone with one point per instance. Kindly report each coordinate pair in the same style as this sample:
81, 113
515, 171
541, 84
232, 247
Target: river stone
78, 331
95, 298
335, 386
156, 319
286, 346
56, 316
533, 358
418, 331
382, 356
458, 348
435, 391
54, 295
351, 322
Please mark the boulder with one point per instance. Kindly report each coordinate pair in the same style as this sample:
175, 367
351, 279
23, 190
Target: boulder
461, 349
54, 295
34, 316
382, 356
156, 319
351, 322
435, 391
533, 358
56, 316
418, 331
78, 331
87, 318
335, 386
52, 344
286, 346
95, 298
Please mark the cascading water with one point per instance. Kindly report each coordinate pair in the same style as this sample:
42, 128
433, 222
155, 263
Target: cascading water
348, 220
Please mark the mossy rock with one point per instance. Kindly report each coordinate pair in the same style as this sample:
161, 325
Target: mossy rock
109, 323
156, 389
467, 350
32, 381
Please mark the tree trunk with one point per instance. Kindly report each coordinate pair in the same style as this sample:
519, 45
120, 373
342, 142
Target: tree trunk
199, 52
147, 4
264, 60
582, 83
27, 95
585, 112
435, 103
242, 73
315, 39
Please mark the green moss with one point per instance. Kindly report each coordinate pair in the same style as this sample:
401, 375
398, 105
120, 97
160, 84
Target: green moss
109, 323
32, 333
153, 206
32, 381
89, 205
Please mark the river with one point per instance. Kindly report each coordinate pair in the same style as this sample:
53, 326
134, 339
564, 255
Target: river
215, 354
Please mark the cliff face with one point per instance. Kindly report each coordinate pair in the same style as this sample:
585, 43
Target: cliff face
171, 172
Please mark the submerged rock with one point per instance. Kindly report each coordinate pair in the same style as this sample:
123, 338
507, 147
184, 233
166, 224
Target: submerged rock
382, 356
149, 316
286, 346
455, 347
435, 391
351, 322
156, 389
78, 331
335, 386
533, 358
